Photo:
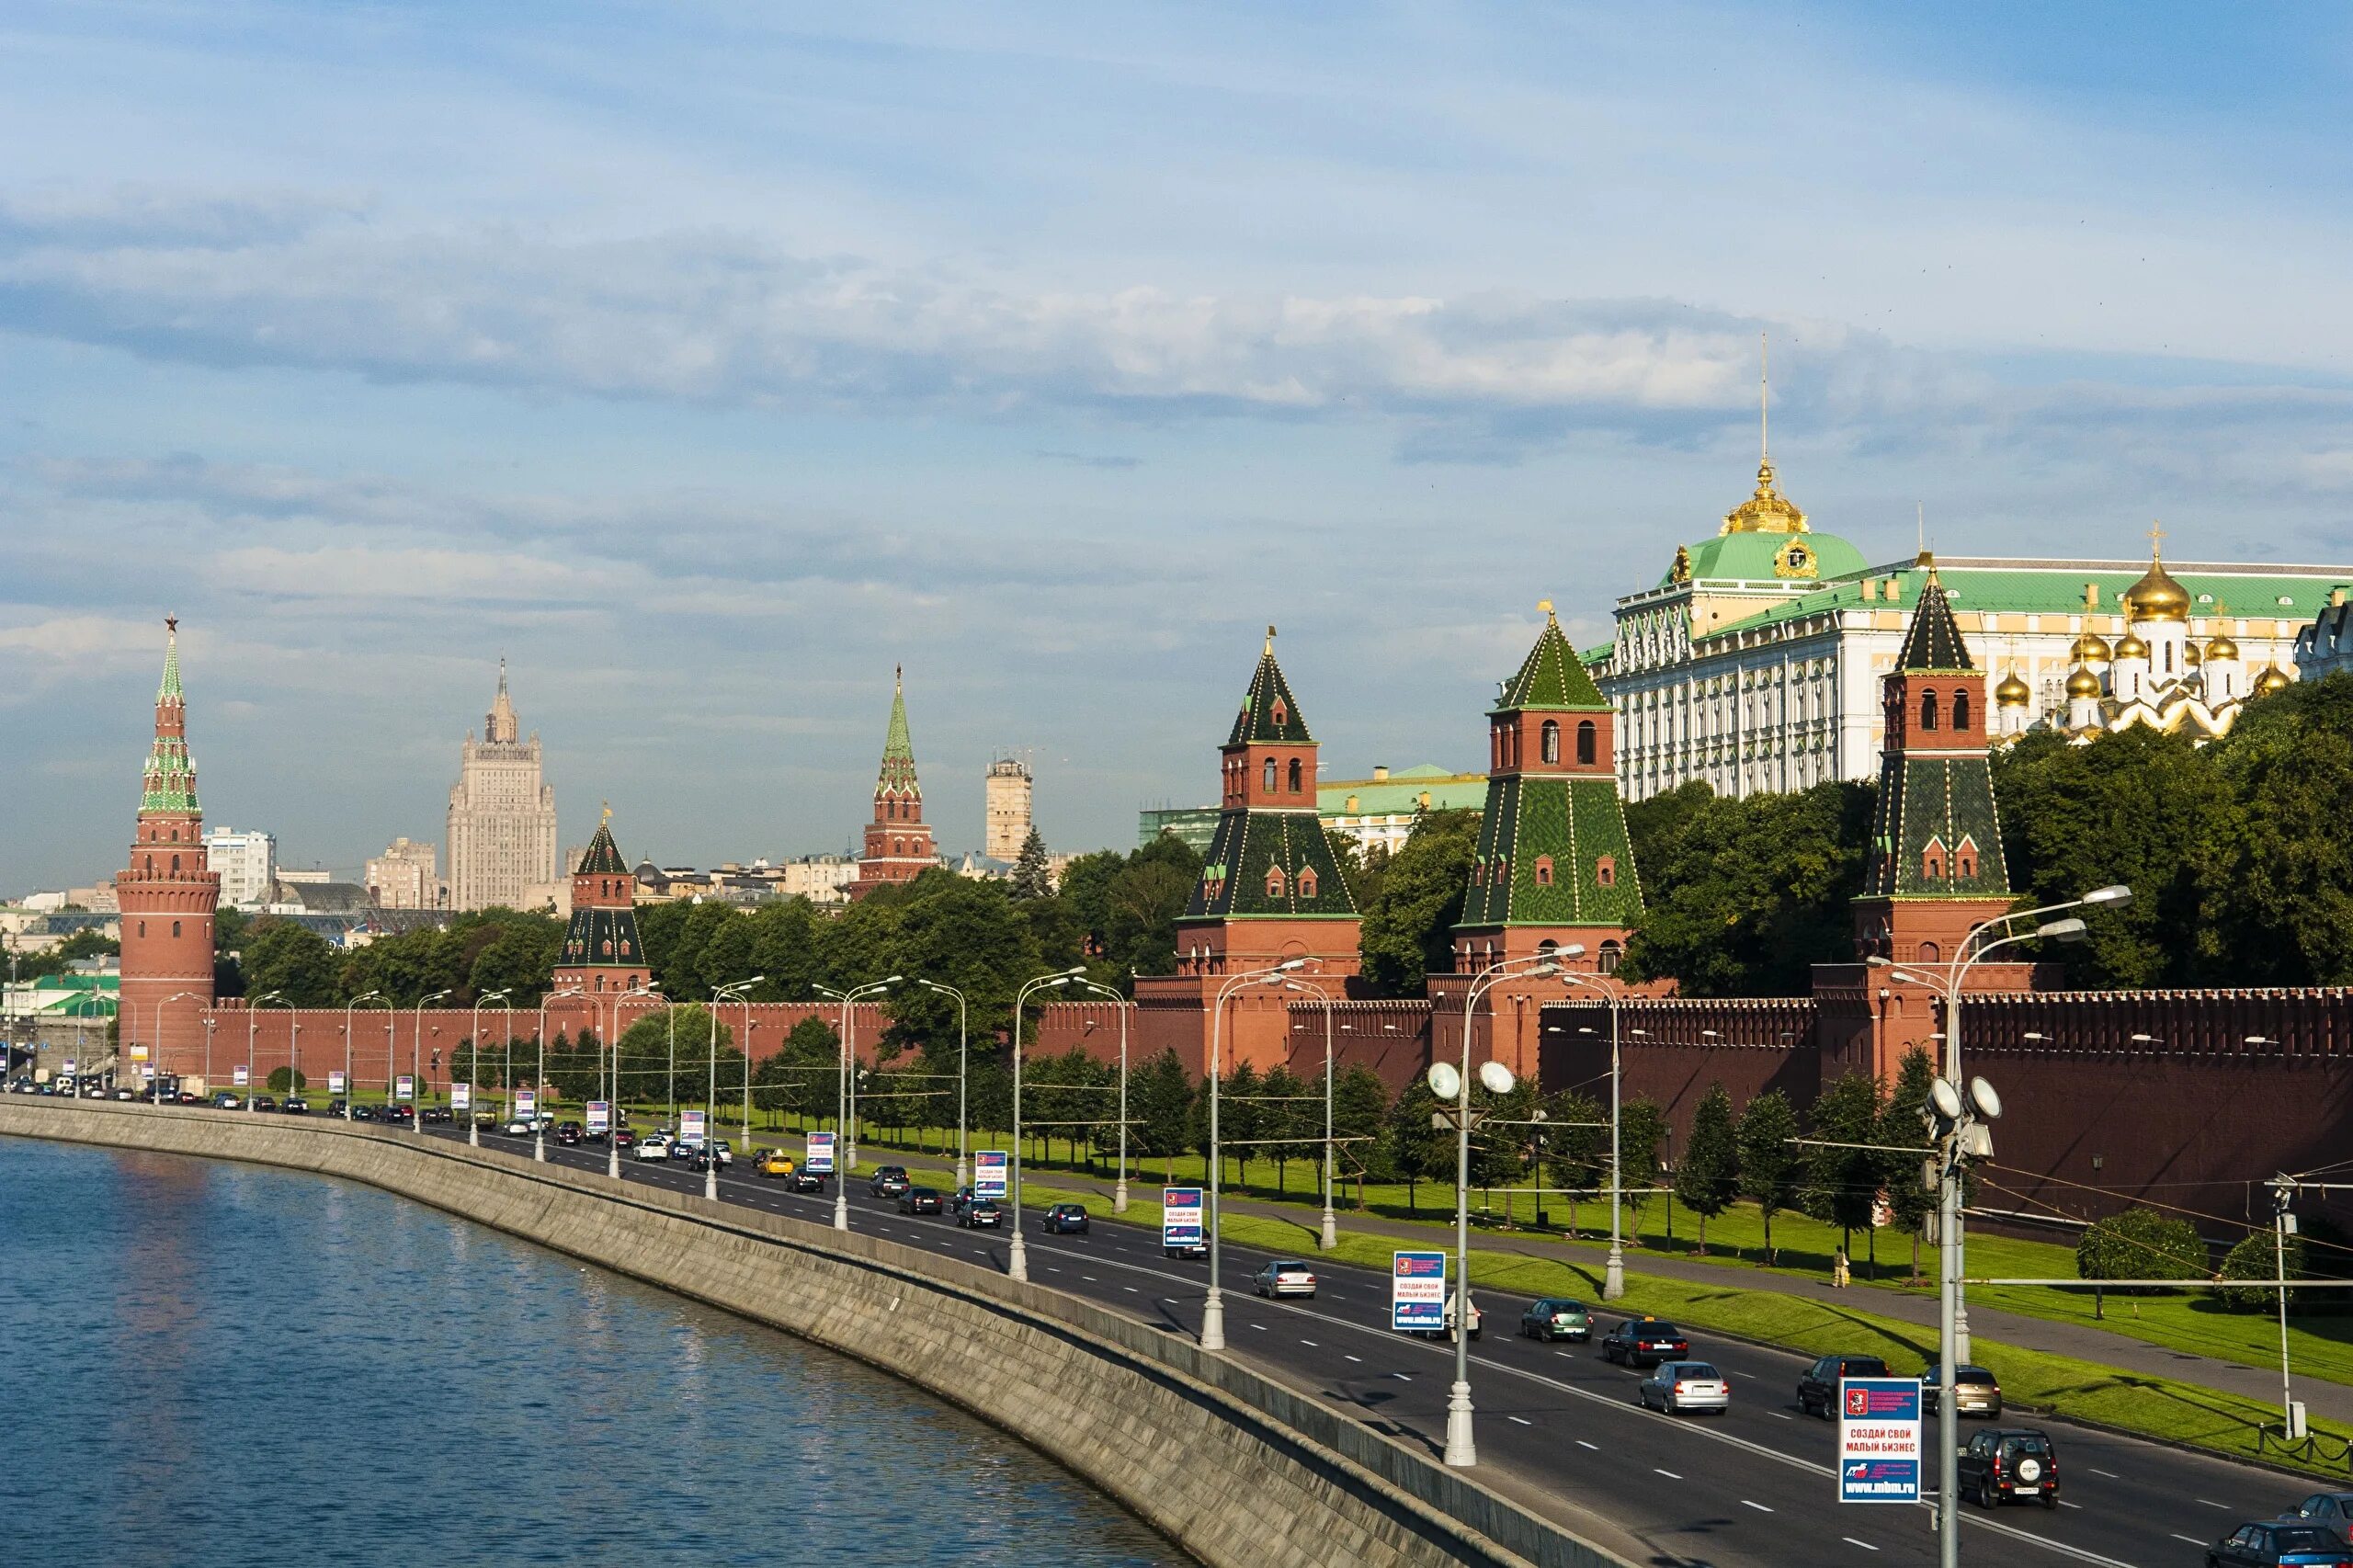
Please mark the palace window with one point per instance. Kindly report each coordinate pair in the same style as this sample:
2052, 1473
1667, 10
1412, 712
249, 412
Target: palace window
1930, 952
175, 865
1543, 870
1279, 713
1551, 744
1932, 863
1605, 871
1274, 882
1585, 734
175, 927
1307, 881
1607, 959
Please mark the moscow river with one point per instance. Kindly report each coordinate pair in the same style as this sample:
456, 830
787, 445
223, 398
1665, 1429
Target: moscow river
213, 1364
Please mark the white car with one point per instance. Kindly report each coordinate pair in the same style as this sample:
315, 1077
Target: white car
653, 1146
1285, 1277
1677, 1386
519, 1128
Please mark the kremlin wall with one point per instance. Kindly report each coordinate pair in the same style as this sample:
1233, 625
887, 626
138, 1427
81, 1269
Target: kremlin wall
2189, 1095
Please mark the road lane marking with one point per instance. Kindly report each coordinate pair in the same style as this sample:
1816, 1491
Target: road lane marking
1782, 1414
1583, 1444
2190, 1539
1356, 1358
1850, 1541
1402, 1376
2212, 1504
2064, 1504
1311, 1345
2112, 1476
1520, 1419
1758, 1506
1668, 1473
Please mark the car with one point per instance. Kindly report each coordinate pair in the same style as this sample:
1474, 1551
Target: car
889, 1181
806, 1180
1974, 1391
265, 1102
401, 1115
1678, 1386
224, 1100
486, 1121
363, 1113
726, 1152
2012, 1464
1285, 1277
960, 1198
624, 1139
567, 1132
2267, 1543
1063, 1218
1446, 1330
653, 1146
295, 1106
2334, 1509
185, 1096
338, 1106
1645, 1342
921, 1201
1818, 1384
519, 1128
682, 1150
775, 1163
437, 1113
1557, 1317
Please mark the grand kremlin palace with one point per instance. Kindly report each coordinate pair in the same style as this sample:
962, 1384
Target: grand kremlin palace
1756, 663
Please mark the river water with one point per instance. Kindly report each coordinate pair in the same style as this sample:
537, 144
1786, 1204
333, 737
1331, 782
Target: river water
207, 1364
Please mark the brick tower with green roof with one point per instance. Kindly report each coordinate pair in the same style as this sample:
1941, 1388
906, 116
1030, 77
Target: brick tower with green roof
1935, 867
1270, 889
167, 896
898, 844
601, 954
1554, 866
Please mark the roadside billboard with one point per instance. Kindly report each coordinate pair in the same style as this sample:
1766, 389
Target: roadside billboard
239, 1076
600, 1116
404, 1089
988, 1173
821, 1153
1417, 1292
1878, 1440
461, 1096
336, 1083
690, 1128
527, 1103
139, 1054
1180, 1217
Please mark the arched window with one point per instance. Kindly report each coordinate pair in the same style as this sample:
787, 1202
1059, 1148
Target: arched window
175, 927
1607, 959
1932, 863
1967, 860
1585, 734
1927, 710
1961, 711
1279, 713
1274, 882
175, 865
1605, 871
1270, 776
1295, 776
1930, 952
1307, 881
142, 929
1543, 870
1549, 746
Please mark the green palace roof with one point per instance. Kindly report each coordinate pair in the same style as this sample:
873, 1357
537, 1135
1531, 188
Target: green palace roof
1400, 794
1766, 558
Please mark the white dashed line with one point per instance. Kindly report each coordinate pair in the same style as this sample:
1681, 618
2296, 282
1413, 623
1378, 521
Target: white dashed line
2113, 1476
2190, 1539
1783, 1414
1850, 1541
1758, 1506
1356, 1358
2212, 1504
2064, 1504
1583, 1444
1129, 1289
1522, 1420
1668, 1473
1311, 1345
1259, 1326
1402, 1376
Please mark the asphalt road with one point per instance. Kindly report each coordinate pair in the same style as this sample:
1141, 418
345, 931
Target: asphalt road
1558, 1427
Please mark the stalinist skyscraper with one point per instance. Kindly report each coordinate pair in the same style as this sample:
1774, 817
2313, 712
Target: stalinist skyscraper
502, 818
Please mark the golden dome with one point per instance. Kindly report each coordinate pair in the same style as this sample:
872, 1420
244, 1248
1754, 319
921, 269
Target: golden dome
2091, 648
2190, 655
1767, 512
2222, 647
2130, 646
2156, 596
2271, 679
2083, 683
2012, 692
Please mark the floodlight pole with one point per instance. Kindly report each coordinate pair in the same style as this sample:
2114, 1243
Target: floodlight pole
1214, 1306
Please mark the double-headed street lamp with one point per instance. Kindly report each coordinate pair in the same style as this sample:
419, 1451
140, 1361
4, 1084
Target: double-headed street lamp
1017, 1262
539, 1077
1119, 1188
1613, 1278
1214, 1306
473, 1043
1971, 950
350, 1009
963, 1062
845, 1093
253, 1019
719, 994
1448, 1084
613, 1108
416, 1062
1329, 1237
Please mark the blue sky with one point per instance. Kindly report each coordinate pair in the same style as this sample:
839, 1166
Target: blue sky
708, 360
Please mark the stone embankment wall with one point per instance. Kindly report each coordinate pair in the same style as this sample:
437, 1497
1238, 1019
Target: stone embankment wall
1234, 1468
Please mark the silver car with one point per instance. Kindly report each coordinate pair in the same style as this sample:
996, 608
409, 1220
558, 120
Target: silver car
1285, 1277
1677, 1386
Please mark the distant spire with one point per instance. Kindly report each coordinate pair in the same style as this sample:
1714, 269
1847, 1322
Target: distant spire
170, 690
500, 724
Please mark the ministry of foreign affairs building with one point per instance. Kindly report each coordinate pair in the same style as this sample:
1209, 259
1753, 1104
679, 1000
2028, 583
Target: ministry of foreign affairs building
502, 817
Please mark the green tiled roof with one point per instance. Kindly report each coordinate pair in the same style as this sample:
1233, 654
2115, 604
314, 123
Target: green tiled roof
1542, 842
1946, 802
168, 781
1933, 642
1236, 874
1401, 793
1269, 713
601, 936
898, 775
603, 856
1756, 558
1551, 676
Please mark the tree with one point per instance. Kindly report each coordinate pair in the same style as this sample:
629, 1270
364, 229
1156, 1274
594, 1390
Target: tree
283, 1080
1141, 905
2259, 1255
519, 959
1030, 877
1417, 1150
1842, 1183
293, 961
1707, 1176
1642, 1128
1160, 1104
1407, 929
1900, 1127
2139, 1244
1360, 1105
1287, 1117
1771, 1162
1576, 1146
2279, 885
785, 951
1241, 1120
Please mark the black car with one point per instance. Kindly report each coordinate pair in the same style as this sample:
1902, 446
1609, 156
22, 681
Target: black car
2010, 1464
265, 1102
295, 1106
889, 1181
803, 1179
401, 1115
437, 1113
921, 1201
1818, 1384
982, 1213
567, 1132
2270, 1543
1645, 1342
364, 1113
337, 1107
1064, 1220
2334, 1509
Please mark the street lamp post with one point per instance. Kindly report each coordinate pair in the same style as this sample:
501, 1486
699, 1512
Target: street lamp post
1016, 1261
1613, 1276
719, 994
748, 1026
539, 1076
963, 1062
155, 1048
613, 1108
1329, 1238
252, 1019
350, 1011
845, 1093
1461, 1450
416, 1062
1120, 1187
1213, 1305
474, 1040
211, 1021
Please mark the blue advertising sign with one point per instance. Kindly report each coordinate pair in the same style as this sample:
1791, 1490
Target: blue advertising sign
1878, 1440
1417, 1292
821, 1153
988, 1173
1180, 1217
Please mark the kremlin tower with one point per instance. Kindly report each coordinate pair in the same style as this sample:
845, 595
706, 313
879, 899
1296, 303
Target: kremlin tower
898, 844
167, 896
601, 954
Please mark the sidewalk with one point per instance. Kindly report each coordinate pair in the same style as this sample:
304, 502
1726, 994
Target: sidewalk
2257, 1384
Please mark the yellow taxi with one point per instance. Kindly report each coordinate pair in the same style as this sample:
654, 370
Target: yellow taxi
776, 1163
